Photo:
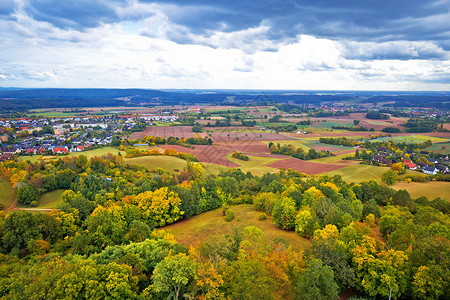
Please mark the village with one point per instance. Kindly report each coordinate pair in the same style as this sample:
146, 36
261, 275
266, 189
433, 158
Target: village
51, 136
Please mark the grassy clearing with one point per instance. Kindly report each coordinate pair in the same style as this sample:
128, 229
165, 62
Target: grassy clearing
359, 173
431, 189
7, 195
167, 163
212, 225
51, 199
256, 165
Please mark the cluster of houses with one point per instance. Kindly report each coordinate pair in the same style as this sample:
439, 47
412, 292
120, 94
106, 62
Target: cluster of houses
434, 166
68, 134
162, 118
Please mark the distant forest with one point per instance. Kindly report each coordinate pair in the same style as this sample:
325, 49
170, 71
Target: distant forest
23, 99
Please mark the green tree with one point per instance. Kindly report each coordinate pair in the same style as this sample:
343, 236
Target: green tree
173, 274
389, 177
283, 214
20, 227
27, 194
249, 278
316, 281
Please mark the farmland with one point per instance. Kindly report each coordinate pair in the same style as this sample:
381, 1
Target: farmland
165, 132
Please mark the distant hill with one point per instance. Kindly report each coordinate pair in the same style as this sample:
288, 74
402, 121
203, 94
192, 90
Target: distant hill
22, 99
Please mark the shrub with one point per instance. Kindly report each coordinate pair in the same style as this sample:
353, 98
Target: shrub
229, 215
34, 203
262, 216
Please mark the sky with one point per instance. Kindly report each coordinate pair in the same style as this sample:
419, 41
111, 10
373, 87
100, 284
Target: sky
226, 44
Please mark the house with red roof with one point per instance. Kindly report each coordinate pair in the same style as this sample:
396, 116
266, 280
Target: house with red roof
409, 164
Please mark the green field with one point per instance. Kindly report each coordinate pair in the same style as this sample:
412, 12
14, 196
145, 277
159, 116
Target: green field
213, 169
167, 163
212, 225
256, 165
359, 173
443, 148
432, 189
332, 159
329, 125
6, 193
51, 199
413, 139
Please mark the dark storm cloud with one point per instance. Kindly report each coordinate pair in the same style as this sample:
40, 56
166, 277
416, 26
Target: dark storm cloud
381, 20
355, 19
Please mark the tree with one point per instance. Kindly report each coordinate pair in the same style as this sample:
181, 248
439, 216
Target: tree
27, 194
173, 274
389, 177
249, 278
431, 282
316, 281
283, 215
20, 227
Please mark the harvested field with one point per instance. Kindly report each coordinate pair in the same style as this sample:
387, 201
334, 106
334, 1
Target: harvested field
304, 166
166, 131
242, 136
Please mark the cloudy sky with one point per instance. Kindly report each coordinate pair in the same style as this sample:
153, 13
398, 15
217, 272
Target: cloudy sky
228, 44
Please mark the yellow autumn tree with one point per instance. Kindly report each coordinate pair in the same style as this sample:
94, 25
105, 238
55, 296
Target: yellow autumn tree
160, 207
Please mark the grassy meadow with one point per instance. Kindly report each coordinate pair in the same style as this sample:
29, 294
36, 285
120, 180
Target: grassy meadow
51, 199
212, 225
430, 189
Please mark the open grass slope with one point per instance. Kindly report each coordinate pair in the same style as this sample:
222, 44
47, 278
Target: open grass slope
430, 189
51, 199
359, 173
7, 195
212, 224
414, 139
167, 163
443, 148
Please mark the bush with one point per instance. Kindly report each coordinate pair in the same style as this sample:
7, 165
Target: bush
262, 216
229, 215
239, 155
34, 203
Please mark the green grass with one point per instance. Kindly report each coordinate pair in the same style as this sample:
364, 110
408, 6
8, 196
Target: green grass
51, 199
255, 165
162, 124
213, 169
359, 173
331, 159
329, 125
431, 189
283, 124
212, 225
167, 163
6, 193
413, 139
443, 148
